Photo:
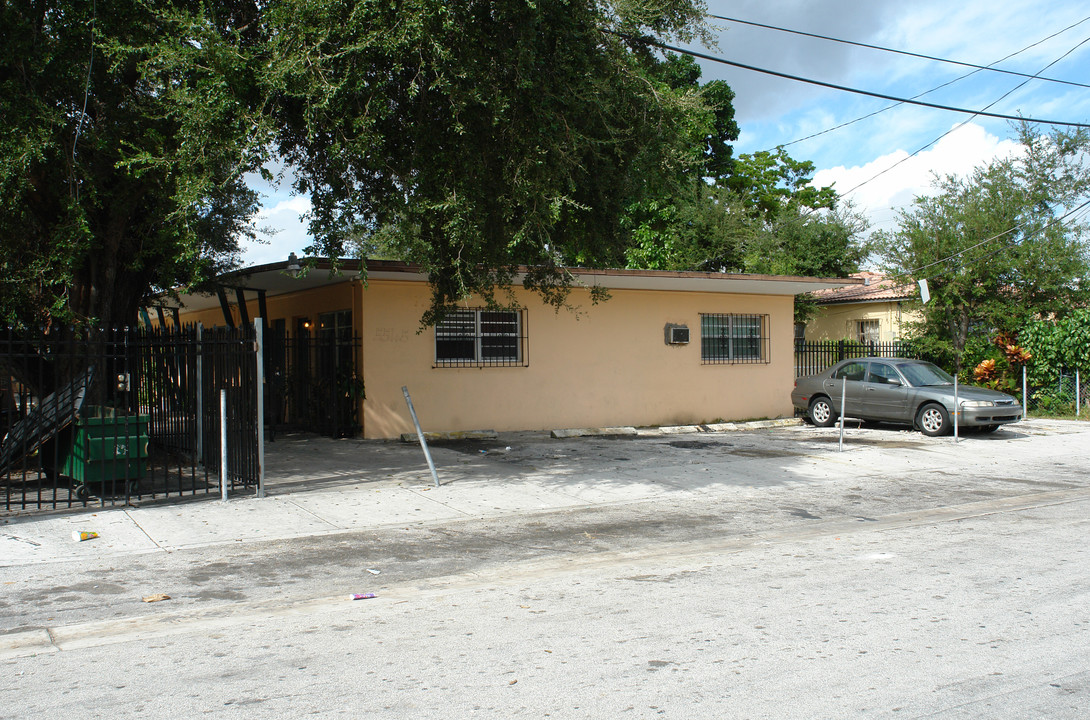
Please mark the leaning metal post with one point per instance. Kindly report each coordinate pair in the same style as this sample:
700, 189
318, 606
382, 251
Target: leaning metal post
420, 434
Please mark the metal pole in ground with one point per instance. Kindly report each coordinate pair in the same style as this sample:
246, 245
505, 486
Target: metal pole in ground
420, 435
957, 408
843, 402
1025, 395
259, 337
1078, 393
223, 444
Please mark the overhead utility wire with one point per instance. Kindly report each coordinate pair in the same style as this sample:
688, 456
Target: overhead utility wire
963, 123
912, 54
987, 240
938, 87
843, 88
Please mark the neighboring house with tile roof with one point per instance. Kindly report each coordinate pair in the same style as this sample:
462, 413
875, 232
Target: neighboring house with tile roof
875, 311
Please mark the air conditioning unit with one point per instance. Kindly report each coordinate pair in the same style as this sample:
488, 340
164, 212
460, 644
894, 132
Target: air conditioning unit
677, 335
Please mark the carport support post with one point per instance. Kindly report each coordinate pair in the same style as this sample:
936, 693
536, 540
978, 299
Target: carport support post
420, 434
843, 404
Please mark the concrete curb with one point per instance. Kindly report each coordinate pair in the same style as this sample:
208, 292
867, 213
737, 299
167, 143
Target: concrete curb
616, 431
460, 435
674, 429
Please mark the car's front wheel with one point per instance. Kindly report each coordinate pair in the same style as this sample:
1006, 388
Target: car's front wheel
932, 420
821, 412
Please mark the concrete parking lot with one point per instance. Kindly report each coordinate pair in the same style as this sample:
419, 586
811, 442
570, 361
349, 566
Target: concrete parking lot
756, 573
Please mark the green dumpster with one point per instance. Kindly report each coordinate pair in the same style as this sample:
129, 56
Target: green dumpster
108, 449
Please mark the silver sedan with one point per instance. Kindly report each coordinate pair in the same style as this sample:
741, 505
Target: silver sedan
899, 390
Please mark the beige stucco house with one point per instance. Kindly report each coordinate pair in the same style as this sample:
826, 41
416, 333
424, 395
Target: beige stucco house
873, 310
666, 348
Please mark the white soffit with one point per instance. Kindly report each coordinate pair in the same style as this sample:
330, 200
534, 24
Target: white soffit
275, 280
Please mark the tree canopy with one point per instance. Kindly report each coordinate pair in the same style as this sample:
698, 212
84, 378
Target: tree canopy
478, 136
127, 130
763, 216
1000, 246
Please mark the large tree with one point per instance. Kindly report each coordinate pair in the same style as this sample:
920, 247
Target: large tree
475, 138
763, 216
1000, 246
483, 135
126, 132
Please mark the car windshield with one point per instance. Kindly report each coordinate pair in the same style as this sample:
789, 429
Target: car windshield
920, 374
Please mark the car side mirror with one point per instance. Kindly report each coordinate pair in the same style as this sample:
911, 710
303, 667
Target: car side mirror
893, 383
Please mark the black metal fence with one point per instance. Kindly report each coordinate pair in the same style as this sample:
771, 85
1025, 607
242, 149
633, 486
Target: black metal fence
102, 417
813, 357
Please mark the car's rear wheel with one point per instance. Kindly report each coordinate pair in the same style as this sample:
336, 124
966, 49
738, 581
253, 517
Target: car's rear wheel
932, 420
821, 412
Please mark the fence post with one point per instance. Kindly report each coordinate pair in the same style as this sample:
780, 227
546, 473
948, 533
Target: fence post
259, 346
200, 394
1078, 393
223, 444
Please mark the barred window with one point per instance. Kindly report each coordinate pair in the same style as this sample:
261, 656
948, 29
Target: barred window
479, 338
867, 331
726, 339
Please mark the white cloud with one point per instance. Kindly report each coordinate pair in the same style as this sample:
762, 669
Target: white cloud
296, 205
285, 219
891, 181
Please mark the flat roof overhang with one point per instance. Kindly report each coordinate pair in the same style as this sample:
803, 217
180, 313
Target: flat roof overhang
275, 279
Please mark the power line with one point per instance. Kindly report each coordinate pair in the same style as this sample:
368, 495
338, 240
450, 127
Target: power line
964, 122
86, 95
842, 88
912, 54
1054, 221
938, 87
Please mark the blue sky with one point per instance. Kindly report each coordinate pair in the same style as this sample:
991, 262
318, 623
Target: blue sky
773, 111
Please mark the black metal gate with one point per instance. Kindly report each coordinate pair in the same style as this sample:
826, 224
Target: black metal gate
102, 417
312, 382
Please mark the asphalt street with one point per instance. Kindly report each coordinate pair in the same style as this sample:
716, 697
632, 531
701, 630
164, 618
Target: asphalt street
751, 574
